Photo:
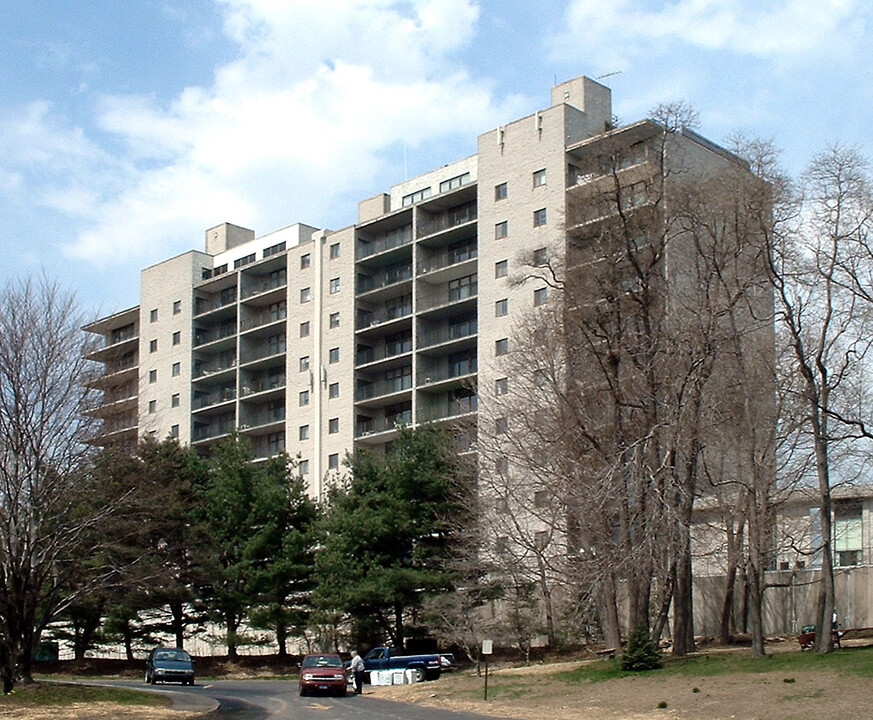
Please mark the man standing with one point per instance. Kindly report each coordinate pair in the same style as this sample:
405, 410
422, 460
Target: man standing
357, 668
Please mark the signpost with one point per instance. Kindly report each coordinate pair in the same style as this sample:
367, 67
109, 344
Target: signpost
487, 649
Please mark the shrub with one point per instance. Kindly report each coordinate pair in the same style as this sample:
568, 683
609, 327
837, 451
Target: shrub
639, 652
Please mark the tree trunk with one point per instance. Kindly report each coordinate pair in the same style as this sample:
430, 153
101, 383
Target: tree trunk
232, 625
177, 609
282, 639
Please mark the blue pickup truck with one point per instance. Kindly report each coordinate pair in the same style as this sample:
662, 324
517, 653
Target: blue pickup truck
426, 667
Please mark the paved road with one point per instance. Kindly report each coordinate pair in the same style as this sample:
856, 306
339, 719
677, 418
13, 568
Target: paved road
278, 700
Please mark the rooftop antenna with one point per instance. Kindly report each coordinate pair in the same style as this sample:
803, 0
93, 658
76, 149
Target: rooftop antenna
603, 77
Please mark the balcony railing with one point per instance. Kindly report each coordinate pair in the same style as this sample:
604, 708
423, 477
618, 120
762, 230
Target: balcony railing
265, 417
366, 320
451, 408
447, 259
444, 335
263, 385
382, 352
202, 337
383, 387
205, 305
214, 398
395, 239
213, 367
453, 218
384, 279
376, 425
214, 430
450, 372
263, 351
120, 365
257, 288
264, 318
447, 296
119, 336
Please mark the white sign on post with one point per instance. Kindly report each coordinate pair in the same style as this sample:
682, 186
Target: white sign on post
487, 647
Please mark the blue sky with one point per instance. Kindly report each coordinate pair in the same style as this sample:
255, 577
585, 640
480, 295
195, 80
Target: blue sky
128, 127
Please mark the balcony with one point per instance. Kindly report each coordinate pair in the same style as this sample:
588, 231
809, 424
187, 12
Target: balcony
263, 318
262, 351
380, 425
381, 388
455, 256
214, 366
214, 398
263, 385
207, 305
446, 296
391, 276
257, 288
204, 337
396, 238
448, 334
265, 417
383, 352
450, 407
453, 218
213, 430
368, 319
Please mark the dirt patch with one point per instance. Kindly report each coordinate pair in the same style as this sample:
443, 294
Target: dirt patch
759, 696
94, 711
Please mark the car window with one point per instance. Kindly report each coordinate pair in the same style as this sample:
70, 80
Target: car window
322, 661
375, 654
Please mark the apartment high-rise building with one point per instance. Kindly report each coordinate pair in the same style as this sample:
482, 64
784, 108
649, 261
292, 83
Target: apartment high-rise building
315, 341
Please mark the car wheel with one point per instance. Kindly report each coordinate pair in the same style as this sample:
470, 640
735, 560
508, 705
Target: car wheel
341, 692
419, 675
147, 679
153, 680
302, 692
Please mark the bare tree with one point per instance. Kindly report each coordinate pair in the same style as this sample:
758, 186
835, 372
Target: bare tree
821, 270
43, 520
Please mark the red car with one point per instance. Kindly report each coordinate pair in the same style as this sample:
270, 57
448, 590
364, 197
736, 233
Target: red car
323, 673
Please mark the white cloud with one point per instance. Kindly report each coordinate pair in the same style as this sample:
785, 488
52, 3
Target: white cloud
743, 26
304, 115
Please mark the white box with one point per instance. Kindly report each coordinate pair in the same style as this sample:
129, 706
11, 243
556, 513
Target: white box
380, 677
397, 677
410, 675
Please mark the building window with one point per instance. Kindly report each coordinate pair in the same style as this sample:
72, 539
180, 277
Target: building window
303, 467
501, 230
501, 425
177, 337
541, 539
304, 329
333, 390
273, 249
501, 544
540, 296
462, 288
153, 346
501, 465
177, 369
305, 261
333, 426
500, 192
305, 295
304, 398
177, 307
153, 407
848, 534
540, 257
303, 432
539, 178
153, 315
334, 251
333, 461
275, 443
304, 363
174, 431
175, 400
501, 386
415, 197
501, 268
539, 217
454, 182
541, 498
501, 347
501, 308
244, 261
334, 285
334, 320
153, 376
333, 355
